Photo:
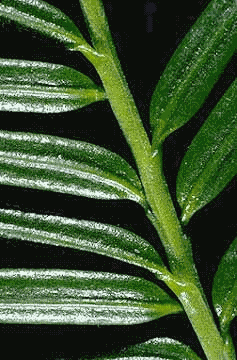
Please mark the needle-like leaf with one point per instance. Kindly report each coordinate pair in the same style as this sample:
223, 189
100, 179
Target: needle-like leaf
102, 239
155, 349
194, 68
211, 160
224, 292
67, 166
32, 86
40, 296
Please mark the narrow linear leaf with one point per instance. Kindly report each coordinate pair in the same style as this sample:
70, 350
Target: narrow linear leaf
224, 291
211, 160
40, 16
32, 86
99, 238
67, 166
156, 349
43, 99
40, 296
24, 72
194, 68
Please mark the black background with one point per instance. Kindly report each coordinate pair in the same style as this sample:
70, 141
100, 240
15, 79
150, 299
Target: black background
143, 50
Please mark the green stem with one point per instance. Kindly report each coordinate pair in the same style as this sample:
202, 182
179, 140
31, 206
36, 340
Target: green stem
201, 319
177, 246
229, 348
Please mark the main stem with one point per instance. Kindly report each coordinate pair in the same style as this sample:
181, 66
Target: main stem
201, 319
177, 246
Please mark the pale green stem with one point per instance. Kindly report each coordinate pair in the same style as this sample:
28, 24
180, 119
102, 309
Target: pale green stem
201, 319
178, 248
229, 348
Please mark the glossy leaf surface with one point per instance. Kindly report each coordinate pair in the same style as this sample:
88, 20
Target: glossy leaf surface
194, 68
90, 236
31, 86
24, 72
40, 16
42, 99
79, 297
211, 160
156, 349
67, 166
224, 292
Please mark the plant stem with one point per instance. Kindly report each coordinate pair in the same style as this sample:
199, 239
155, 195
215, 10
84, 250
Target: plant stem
229, 348
201, 319
177, 246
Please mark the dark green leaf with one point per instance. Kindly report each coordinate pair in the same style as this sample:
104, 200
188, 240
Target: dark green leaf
156, 349
44, 99
80, 297
40, 16
31, 86
90, 236
211, 160
24, 72
224, 292
194, 68
67, 166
